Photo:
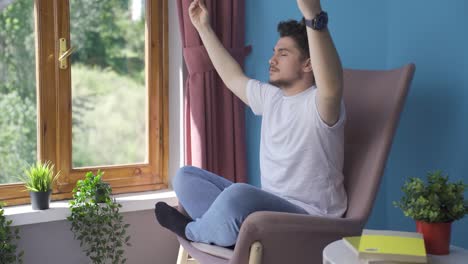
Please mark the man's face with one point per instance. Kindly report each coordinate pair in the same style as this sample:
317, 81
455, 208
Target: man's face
286, 64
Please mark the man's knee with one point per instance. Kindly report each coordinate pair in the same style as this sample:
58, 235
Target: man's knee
180, 179
239, 188
234, 210
233, 195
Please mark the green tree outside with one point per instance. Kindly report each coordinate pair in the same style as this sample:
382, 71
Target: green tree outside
17, 90
107, 81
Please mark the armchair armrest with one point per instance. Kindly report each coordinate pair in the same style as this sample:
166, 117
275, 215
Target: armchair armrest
291, 238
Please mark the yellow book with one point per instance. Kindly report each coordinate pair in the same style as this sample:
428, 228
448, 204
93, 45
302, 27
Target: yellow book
353, 243
383, 262
383, 245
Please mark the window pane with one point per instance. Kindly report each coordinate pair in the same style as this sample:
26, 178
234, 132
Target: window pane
108, 82
17, 89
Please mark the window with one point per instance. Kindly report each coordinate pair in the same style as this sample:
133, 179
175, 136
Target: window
104, 105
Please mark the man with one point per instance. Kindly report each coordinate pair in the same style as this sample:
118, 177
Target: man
301, 148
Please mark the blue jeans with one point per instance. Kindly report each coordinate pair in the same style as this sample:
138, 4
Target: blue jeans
219, 206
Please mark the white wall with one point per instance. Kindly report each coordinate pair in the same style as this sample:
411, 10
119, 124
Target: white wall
53, 242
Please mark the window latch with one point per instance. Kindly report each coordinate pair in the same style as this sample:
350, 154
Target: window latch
64, 53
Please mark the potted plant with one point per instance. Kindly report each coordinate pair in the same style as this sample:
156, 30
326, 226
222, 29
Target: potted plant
8, 238
434, 206
38, 179
96, 221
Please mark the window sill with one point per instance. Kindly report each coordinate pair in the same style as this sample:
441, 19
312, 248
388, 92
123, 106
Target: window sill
131, 202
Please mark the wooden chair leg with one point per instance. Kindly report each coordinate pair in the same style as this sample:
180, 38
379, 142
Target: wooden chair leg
256, 251
182, 258
254, 258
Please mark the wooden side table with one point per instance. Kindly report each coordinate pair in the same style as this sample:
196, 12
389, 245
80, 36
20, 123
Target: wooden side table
338, 253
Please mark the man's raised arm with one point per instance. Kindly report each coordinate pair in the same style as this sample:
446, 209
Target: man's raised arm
326, 65
227, 67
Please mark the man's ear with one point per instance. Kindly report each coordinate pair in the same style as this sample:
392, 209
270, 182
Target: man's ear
307, 65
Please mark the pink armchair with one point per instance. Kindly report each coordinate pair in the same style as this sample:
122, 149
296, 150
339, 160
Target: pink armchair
374, 101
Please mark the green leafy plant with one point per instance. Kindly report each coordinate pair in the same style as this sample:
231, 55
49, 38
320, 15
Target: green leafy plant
437, 201
39, 177
8, 238
96, 221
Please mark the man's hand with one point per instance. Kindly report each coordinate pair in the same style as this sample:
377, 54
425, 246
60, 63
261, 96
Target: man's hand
309, 8
199, 14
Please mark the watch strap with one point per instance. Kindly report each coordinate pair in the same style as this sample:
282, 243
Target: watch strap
319, 22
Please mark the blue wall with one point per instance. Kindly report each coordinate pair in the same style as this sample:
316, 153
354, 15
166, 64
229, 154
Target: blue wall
380, 35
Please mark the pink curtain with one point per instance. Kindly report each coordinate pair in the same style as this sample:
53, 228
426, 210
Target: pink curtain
214, 117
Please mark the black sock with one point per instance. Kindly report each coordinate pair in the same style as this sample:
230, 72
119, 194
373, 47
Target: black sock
171, 219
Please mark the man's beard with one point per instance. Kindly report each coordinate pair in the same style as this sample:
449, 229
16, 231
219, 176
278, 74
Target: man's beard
287, 83
282, 84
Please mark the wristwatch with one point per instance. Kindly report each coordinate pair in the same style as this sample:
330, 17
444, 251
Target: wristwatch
319, 22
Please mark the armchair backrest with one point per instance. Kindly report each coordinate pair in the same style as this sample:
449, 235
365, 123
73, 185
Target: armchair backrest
374, 101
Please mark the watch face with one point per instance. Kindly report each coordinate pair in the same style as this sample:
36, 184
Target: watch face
322, 21
319, 22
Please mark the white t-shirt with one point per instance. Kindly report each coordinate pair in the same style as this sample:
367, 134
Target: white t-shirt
301, 157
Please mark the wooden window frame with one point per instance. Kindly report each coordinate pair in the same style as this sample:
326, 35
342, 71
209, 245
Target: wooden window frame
54, 107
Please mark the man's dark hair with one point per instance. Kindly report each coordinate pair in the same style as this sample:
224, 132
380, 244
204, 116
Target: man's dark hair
297, 31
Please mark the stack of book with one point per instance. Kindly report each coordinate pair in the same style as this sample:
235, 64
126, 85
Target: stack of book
387, 247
